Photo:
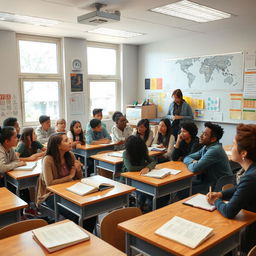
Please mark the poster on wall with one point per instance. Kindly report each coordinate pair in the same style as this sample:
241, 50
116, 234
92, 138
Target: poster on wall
76, 82
8, 106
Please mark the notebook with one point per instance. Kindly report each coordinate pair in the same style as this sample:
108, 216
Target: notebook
186, 232
30, 166
116, 154
156, 149
87, 186
200, 201
161, 173
59, 236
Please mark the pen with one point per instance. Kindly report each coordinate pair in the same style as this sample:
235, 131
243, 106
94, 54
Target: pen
210, 189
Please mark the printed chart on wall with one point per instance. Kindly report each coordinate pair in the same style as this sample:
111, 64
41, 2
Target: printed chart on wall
214, 72
8, 106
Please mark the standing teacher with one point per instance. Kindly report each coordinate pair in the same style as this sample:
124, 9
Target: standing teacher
179, 111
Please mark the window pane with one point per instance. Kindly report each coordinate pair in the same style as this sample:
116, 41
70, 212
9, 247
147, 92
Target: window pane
101, 61
41, 98
38, 57
103, 95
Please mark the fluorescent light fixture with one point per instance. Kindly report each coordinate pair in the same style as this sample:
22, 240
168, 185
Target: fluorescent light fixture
114, 32
11, 17
191, 11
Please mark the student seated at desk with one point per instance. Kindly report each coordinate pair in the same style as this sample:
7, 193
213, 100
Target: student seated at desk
187, 142
211, 161
27, 149
164, 139
144, 132
76, 134
61, 125
97, 134
243, 195
136, 158
97, 114
59, 166
44, 131
120, 131
12, 121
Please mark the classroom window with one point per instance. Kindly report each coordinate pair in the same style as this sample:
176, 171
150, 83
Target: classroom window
41, 78
103, 67
103, 94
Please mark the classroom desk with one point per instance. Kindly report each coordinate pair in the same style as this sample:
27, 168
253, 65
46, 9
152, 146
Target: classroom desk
92, 204
24, 244
24, 179
112, 163
140, 231
88, 150
10, 206
160, 187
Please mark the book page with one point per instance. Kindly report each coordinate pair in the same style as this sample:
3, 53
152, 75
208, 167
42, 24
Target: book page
28, 166
185, 232
82, 189
200, 201
95, 183
60, 234
171, 171
116, 154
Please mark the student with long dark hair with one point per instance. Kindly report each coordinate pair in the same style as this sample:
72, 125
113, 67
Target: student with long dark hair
76, 134
59, 166
241, 196
144, 132
27, 149
165, 139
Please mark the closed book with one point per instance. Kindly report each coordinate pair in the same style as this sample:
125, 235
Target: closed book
156, 149
116, 154
186, 232
87, 186
200, 201
30, 166
161, 173
59, 236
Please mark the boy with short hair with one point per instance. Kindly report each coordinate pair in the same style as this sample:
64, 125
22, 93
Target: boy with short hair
97, 114
44, 131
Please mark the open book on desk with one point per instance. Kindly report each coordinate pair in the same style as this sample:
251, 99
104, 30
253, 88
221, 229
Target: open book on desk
116, 154
185, 232
200, 201
59, 236
161, 173
87, 186
30, 166
155, 148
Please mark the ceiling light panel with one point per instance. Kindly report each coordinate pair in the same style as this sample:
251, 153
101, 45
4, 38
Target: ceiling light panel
114, 32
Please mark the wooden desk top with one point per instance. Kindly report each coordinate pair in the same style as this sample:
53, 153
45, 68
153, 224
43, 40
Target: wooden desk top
18, 175
185, 173
10, 202
90, 147
117, 190
24, 244
144, 226
117, 160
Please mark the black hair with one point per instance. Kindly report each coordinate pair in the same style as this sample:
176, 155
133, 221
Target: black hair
43, 119
116, 116
97, 111
136, 150
10, 121
190, 127
216, 130
26, 138
81, 135
144, 122
165, 139
6, 133
53, 150
94, 123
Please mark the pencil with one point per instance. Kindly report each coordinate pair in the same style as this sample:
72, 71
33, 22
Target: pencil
210, 189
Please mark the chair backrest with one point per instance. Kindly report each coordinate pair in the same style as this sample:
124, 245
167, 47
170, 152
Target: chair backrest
252, 252
228, 179
108, 227
20, 227
227, 186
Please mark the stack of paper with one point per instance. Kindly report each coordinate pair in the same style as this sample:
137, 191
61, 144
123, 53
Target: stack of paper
161, 173
28, 167
200, 201
185, 232
116, 154
59, 236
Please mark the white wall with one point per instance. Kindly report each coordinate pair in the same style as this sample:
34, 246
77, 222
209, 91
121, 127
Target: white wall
153, 56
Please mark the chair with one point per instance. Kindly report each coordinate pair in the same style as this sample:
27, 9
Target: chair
108, 227
20, 227
228, 179
252, 252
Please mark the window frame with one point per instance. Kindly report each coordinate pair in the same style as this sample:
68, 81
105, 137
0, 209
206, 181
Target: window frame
105, 78
41, 77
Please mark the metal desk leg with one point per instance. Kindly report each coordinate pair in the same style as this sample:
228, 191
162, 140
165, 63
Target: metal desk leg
81, 218
190, 188
96, 162
56, 213
127, 245
154, 203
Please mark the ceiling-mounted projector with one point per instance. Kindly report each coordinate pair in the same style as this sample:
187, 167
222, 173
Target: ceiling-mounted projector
98, 17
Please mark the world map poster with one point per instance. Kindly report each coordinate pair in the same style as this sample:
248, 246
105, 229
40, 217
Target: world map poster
216, 72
